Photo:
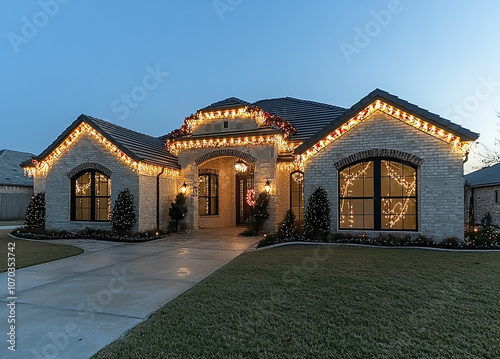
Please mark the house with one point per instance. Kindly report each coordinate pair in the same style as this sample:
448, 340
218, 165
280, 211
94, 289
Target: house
482, 195
15, 189
387, 165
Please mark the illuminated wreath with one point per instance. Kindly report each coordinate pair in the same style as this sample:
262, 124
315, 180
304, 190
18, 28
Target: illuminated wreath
250, 197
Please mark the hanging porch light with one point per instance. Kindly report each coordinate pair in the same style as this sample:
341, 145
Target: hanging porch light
240, 166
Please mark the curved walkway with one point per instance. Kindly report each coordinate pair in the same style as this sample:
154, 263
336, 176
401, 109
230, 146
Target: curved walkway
73, 307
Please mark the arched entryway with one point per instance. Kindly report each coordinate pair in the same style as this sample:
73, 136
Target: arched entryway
223, 192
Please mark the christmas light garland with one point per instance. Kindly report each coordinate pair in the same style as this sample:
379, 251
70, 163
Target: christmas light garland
455, 141
43, 167
262, 118
250, 197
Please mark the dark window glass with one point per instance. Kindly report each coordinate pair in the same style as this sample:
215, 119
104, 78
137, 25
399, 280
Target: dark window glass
208, 197
91, 197
297, 195
378, 195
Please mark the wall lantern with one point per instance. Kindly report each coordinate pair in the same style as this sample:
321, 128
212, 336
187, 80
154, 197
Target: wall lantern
267, 187
240, 166
184, 188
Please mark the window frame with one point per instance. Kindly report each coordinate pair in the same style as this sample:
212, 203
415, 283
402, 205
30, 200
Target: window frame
209, 197
377, 195
301, 196
92, 197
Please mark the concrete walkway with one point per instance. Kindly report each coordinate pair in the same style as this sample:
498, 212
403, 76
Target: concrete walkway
73, 307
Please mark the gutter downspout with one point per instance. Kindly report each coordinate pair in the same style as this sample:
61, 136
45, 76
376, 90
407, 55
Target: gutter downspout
158, 198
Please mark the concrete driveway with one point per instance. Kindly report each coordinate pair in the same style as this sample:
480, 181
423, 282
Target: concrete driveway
73, 307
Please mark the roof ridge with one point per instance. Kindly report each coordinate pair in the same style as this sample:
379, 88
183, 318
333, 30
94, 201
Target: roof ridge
122, 127
289, 98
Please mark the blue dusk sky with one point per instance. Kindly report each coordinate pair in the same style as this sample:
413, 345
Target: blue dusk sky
146, 65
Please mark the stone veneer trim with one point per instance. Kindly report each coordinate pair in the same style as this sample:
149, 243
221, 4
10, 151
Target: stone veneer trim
226, 152
90, 166
378, 152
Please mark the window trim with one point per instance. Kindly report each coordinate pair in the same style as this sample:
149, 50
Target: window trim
377, 195
209, 197
297, 215
92, 196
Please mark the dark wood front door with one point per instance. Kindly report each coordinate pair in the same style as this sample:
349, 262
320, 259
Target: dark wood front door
243, 184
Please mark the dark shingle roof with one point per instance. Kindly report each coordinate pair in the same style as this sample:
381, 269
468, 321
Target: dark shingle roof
138, 146
488, 176
377, 94
11, 174
228, 103
308, 117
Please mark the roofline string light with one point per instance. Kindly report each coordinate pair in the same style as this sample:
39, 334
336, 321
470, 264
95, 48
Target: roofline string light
44, 166
455, 141
262, 117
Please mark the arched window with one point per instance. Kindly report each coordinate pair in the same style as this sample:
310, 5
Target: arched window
208, 198
90, 196
297, 195
379, 194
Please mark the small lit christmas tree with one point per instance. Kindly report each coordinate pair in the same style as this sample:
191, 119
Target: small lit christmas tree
317, 216
177, 211
123, 216
286, 229
35, 214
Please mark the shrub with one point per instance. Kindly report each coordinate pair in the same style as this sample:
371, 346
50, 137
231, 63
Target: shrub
450, 242
317, 216
422, 240
123, 215
287, 229
259, 215
177, 212
35, 213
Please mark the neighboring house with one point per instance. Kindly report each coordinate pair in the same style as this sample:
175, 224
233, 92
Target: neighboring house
387, 165
15, 189
483, 195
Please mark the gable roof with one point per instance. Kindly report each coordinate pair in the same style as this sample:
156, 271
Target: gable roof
308, 117
377, 94
228, 103
136, 145
488, 176
10, 172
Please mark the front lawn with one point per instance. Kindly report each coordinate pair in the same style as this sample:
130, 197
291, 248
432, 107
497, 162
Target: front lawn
28, 253
331, 302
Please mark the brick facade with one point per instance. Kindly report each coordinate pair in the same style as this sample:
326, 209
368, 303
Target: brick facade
486, 199
86, 153
440, 173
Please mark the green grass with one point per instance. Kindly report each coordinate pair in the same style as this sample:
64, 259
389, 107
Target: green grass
331, 302
28, 253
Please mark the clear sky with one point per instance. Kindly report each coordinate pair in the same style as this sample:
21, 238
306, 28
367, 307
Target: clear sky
146, 65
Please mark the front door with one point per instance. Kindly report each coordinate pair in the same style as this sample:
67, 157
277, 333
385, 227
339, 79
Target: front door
243, 184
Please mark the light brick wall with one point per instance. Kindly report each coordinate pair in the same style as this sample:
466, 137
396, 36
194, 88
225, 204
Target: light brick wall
86, 150
440, 177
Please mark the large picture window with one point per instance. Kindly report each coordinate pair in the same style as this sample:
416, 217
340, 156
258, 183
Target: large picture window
208, 197
379, 194
91, 196
297, 195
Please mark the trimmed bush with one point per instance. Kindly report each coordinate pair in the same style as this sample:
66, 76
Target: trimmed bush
35, 213
317, 217
123, 215
177, 212
287, 230
258, 217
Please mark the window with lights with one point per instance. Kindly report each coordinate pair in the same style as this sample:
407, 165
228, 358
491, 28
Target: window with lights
91, 196
378, 194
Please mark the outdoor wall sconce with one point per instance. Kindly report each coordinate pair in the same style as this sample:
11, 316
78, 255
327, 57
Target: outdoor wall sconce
267, 187
184, 188
240, 166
